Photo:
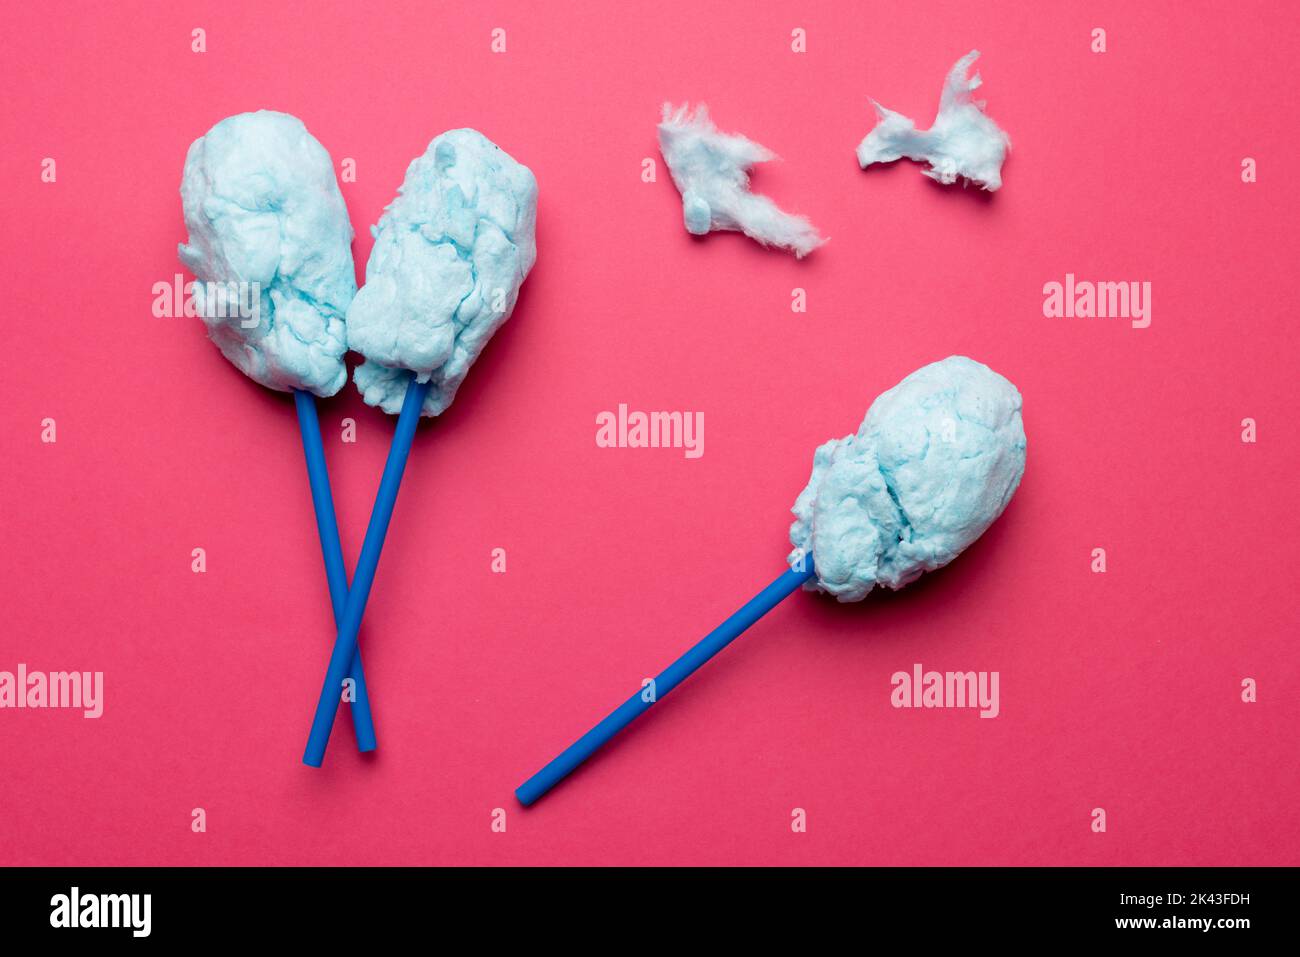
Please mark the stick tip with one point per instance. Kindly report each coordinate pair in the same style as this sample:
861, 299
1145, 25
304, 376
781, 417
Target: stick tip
526, 796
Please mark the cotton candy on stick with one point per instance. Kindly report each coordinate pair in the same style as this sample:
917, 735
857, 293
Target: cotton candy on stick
934, 463
450, 254
271, 245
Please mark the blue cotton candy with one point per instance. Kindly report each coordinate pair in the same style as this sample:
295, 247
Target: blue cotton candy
263, 207
711, 171
450, 254
934, 463
962, 142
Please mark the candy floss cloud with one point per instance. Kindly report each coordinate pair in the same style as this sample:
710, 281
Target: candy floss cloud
933, 464
264, 210
450, 254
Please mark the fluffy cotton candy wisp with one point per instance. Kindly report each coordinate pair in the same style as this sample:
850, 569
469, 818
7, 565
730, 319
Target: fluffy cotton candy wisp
711, 171
963, 142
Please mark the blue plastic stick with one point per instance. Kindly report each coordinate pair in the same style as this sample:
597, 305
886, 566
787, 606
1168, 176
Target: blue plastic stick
672, 676
345, 643
332, 551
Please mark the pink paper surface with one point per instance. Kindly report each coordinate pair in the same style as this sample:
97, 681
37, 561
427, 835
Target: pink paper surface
1120, 691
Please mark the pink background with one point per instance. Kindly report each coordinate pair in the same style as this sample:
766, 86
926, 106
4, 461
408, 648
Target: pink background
1119, 691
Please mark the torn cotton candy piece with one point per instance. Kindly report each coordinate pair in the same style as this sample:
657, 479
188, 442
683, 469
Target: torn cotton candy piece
710, 168
934, 463
271, 245
450, 254
962, 142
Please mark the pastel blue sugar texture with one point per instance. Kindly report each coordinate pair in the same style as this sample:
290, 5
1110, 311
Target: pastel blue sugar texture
262, 206
963, 142
450, 254
934, 463
711, 171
